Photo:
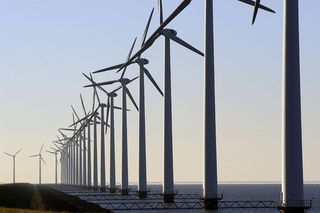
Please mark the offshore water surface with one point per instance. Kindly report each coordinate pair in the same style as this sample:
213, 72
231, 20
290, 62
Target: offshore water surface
247, 192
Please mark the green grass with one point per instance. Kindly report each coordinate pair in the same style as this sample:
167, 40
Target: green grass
38, 198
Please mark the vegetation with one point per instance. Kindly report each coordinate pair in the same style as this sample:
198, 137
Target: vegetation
40, 198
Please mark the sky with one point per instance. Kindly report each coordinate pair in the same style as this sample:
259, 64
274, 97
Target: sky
46, 45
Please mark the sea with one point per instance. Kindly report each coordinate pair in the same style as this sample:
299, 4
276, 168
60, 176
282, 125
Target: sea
244, 192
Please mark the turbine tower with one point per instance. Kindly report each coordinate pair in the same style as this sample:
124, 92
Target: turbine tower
292, 162
210, 180
14, 164
40, 160
125, 91
168, 179
55, 153
292, 190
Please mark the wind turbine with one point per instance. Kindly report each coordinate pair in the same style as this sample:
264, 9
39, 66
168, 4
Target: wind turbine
142, 186
14, 164
169, 34
87, 162
55, 153
125, 91
71, 164
40, 159
110, 108
79, 151
292, 188
87, 119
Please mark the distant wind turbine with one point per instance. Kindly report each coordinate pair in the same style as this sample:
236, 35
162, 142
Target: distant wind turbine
14, 164
55, 153
125, 91
40, 160
142, 186
110, 110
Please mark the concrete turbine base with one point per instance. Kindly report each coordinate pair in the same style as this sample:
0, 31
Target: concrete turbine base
293, 210
103, 189
112, 190
210, 203
125, 192
142, 194
168, 198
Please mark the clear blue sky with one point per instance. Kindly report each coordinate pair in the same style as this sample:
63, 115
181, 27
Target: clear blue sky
46, 45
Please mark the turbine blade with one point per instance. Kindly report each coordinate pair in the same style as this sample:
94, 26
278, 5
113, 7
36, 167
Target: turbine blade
102, 83
42, 159
107, 114
97, 95
41, 149
130, 52
151, 79
133, 80
82, 103
156, 34
127, 91
115, 107
31, 156
109, 68
116, 89
65, 129
93, 99
160, 11
8, 154
73, 119
186, 45
129, 56
75, 123
256, 5
56, 145
17, 152
146, 29
255, 11
75, 112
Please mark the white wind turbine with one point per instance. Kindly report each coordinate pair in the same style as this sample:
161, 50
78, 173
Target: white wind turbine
292, 188
14, 164
169, 34
55, 153
125, 91
142, 183
40, 160
110, 109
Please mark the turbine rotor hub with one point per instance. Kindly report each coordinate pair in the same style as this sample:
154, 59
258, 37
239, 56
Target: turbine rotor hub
125, 81
142, 61
169, 32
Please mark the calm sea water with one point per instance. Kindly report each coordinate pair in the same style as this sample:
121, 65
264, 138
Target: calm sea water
250, 192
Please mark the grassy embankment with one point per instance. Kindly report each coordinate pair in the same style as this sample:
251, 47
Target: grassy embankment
28, 198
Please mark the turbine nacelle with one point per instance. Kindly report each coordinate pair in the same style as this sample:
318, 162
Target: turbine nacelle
103, 105
169, 33
142, 61
124, 81
113, 95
